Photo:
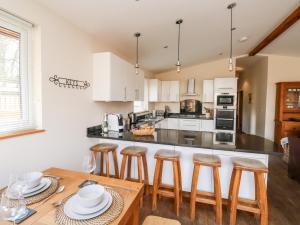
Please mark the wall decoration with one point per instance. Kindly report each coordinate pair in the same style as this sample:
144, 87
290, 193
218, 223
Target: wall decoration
69, 83
250, 98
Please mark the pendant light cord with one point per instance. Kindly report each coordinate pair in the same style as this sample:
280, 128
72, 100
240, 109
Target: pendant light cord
137, 50
178, 50
231, 29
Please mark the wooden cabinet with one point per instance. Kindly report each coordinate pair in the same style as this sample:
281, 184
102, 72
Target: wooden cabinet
154, 90
287, 115
114, 79
208, 91
170, 91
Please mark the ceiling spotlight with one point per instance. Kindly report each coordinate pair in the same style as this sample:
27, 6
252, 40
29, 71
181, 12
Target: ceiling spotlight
243, 39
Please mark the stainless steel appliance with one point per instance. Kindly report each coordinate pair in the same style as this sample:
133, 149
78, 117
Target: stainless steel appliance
137, 118
226, 100
225, 119
190, 106
115, 122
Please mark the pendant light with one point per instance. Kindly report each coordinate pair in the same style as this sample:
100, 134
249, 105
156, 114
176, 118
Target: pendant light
178, 65
137, 66
230, 7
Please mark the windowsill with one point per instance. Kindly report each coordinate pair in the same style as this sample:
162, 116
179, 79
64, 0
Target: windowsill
20, 133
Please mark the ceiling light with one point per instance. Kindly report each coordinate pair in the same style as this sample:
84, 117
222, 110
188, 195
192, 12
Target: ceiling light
178, 65
243, 39
137, 66
230, 7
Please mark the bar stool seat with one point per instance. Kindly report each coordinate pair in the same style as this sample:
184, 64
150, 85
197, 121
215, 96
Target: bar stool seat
104, 149
203, 197
205, 159
134, 151
160, 189
151, 220
167, 154
260, 205
248, 164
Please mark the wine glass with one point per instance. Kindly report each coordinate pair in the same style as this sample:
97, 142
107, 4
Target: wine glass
89, 165
12, 205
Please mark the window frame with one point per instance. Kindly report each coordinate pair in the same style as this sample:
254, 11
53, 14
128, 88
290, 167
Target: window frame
24, 28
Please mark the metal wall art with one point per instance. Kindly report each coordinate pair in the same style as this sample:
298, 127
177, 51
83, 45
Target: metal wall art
69, 83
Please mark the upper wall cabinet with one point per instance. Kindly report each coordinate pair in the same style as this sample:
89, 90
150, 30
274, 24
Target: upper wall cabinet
228, 84
154, 90
208, 91
170, 91
114, 79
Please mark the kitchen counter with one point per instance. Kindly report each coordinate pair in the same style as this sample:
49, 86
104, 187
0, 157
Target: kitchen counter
195, 139
186, 116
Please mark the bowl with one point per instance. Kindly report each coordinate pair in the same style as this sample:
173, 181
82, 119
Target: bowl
90, 195
31, 179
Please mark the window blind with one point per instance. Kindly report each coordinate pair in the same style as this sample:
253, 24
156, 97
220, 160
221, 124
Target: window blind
15, 94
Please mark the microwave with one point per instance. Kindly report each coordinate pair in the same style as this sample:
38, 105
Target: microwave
225, 100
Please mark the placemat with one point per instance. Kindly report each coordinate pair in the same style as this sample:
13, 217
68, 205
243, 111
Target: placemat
41, 196
106, 218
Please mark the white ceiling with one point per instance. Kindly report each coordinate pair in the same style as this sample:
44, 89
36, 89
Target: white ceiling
205, 30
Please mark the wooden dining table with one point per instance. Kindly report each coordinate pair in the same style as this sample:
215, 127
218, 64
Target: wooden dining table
130, 191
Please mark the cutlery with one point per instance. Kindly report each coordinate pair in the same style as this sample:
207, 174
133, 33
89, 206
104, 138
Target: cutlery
57, 203
59, 190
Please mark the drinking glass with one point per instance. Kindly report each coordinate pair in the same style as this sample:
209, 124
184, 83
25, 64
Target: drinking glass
89, 165
12, 205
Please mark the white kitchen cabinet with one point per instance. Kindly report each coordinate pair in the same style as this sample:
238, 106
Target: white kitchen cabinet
154, 90
208, 91
170, 91
225, 85
114, 79
173, 123
189, 124
207, 125
163, 124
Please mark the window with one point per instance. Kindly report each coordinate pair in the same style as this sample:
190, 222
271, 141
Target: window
15, 94
140, 106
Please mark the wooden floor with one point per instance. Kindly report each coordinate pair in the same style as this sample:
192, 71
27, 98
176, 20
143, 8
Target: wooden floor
283, 198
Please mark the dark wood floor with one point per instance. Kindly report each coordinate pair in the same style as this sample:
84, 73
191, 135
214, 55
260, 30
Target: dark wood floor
283, 198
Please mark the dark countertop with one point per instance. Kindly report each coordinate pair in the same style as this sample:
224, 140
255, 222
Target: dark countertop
197, 139
184, 116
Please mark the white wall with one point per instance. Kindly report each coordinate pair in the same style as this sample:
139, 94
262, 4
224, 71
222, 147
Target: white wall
280, 69
204, 71
66, 113
253, 80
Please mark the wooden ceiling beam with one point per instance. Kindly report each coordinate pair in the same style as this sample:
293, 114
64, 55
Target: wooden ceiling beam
289, 21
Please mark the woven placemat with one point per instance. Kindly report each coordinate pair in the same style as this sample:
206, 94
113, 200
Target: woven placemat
41, 196
106, 218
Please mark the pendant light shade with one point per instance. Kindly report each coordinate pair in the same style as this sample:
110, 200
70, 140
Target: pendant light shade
178, 65
230, 7
137, 66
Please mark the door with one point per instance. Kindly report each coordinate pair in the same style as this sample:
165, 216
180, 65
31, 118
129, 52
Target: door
208, 91
239, 117
165, 91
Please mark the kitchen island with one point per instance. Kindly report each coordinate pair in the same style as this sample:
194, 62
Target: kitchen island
188, 143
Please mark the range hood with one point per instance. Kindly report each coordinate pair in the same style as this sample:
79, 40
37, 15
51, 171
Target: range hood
190, 88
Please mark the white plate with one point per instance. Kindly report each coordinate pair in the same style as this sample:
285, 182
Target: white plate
77, 208
47, 185
68, 210
38, 187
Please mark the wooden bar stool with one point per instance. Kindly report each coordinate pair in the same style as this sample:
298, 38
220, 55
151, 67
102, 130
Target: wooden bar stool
166, 190
104, 149
214, 198
140, 153
260, 204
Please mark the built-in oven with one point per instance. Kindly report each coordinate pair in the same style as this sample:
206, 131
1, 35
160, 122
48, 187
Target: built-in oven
225, 119
226, 138
225, 100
